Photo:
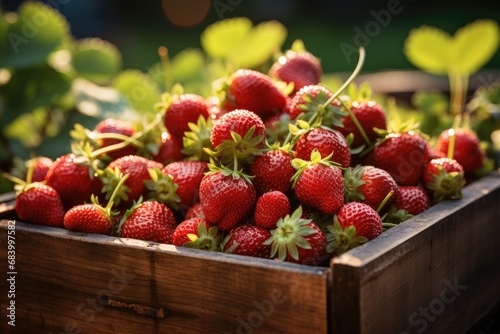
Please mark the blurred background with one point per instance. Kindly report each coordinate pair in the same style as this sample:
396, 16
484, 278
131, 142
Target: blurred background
137, 28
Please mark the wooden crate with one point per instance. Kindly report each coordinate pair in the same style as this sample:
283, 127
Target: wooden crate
438, 272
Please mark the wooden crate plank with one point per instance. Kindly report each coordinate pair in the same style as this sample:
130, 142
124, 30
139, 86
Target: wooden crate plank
437, 271
145, 287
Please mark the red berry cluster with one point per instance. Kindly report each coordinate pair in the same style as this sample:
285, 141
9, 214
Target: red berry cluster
299, 176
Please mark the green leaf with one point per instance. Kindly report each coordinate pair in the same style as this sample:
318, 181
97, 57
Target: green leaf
139, 88
221, 39
31, 35
31, 88
96, 60
101, 102
474, 45
243, 45
428, 49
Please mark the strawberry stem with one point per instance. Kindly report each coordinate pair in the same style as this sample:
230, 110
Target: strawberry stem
115, 192
356, 123
165, 63
386, 198
451, 143
14, 179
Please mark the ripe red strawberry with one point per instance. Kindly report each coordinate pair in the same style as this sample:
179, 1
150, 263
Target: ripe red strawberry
112, 126
270, 207
318, 183
307, 100
187, 175
89, 218
254, 91
137, 169
467, 152
72, 179
354, 224
247, 240
370, 115
41, 166
92, 217
403, 155
149, 220
239, 133
412, 199
273, 170
170, 149
298, 240
226, 197
198, 234
444, 179
194, 211
326, 142
184, 109
369, 185
301, 68
40, 204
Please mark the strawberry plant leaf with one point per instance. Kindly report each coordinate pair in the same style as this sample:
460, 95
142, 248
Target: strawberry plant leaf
243, 45
29, 37
141, 91
96, 60
474, 45
428, 48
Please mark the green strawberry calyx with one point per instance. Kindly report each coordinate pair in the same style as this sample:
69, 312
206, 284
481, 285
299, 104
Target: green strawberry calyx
446, 185
340, 239
162, 188
209, 240
394, 217
236, 174
199, 137
301, 165
352, 181
241, 149
289, 234
110, 179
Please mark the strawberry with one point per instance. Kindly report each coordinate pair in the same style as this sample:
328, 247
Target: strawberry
92, 217
412, 199
150, 221
112, 126
198, 234
354, 224
41, 166
39, 204
467, 152
369, 185
298, 240
73, 180
370, 115
444, 179
318, 183
309, 98
239, 133
403, 155
170, 149
195, 210
247, 240
255, 91
327, 142
298, 67
185, 109
177, 184
137, 168
273, 170
226, 197
270, 207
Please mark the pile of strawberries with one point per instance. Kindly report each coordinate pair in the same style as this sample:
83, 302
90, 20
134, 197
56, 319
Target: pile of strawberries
278, 167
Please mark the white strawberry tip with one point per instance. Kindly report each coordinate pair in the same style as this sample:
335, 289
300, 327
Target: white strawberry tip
289, 234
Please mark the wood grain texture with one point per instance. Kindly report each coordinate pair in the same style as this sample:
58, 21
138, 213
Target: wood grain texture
77, 283
438, 272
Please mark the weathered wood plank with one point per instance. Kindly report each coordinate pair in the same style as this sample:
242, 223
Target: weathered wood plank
68, 281
438, 272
